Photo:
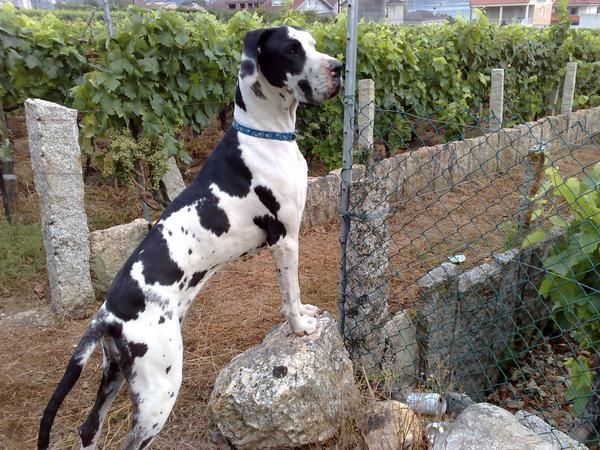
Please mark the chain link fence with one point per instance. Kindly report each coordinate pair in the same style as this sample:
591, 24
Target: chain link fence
472, 261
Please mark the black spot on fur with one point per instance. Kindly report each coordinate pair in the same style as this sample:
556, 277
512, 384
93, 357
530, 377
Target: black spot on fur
181, 286
306, 88
266, 197
196, 278
246, 68
189, 251
225, 168
239, 99
155, 425
273, 227
257, 89
161, 319
137, 350
168, 369
146, 442
158, 265
280, 371
211, 216
125, 299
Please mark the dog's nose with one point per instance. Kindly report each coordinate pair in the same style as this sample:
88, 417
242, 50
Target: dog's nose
336, 67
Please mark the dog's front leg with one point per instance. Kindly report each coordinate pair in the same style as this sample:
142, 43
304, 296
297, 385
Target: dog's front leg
300, 317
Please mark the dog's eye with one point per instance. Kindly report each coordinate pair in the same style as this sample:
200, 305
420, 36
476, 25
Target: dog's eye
292, 50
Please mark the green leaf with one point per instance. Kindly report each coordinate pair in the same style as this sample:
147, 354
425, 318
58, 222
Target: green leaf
31, 61
149, 64
533, 238
581, 379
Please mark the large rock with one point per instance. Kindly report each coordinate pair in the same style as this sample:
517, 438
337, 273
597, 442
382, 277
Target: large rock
110, 249
289, 391
322, 199
57, 174
537, 425
485, 426
391, 425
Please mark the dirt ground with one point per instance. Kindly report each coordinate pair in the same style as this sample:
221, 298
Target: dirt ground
238, 306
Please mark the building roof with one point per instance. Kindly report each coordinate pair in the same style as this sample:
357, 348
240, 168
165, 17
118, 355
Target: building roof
479, 3
584, 2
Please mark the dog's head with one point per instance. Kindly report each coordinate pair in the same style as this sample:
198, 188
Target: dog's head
287, 59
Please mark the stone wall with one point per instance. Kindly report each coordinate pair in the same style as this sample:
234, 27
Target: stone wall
471, 323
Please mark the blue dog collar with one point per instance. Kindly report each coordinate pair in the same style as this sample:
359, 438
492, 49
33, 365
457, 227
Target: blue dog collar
264, 134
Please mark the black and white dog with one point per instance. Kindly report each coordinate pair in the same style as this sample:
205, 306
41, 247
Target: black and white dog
249, 194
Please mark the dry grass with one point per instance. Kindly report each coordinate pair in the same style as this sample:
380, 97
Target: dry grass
235, 310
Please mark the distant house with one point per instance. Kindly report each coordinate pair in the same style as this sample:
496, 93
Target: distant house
324, 7
24, 4
394, 11
586, 11
579, 7
525, 12
442, 8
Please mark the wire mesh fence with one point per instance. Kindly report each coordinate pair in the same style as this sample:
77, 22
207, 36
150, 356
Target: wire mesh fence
472, 263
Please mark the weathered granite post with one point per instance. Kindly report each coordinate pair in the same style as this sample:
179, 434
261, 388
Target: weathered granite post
378, 343
365, 119
57, 174
367, 262
566, 106
497, 99
172, 180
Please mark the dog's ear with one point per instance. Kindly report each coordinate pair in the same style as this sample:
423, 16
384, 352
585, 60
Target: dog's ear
253, 41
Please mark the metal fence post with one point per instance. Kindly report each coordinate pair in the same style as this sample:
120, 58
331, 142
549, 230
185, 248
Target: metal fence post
566, 106
349, 94
497, 100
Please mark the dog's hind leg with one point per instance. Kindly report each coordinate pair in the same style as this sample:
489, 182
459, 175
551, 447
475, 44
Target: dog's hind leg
112, 380
154, 384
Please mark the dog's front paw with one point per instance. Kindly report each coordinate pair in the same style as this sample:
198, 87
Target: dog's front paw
309, 310
304, 325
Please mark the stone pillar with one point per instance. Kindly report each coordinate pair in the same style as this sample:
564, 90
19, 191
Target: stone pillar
497, 99
173, 180
57, 174
367, 263
566, 106
365, 119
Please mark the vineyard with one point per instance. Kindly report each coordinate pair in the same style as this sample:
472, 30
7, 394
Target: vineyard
164, 71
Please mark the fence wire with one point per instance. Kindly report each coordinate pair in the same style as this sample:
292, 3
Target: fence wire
473, 262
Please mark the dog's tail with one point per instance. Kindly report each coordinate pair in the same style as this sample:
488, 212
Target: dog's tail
82, 353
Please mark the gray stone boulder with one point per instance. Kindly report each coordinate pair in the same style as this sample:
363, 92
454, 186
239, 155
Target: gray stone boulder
537, 425
110, 248
289, 391
321, 201
485, 426
391, 425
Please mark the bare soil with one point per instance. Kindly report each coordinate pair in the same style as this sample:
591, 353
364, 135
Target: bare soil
238, 306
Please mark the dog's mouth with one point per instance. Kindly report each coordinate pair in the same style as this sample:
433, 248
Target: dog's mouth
337, 84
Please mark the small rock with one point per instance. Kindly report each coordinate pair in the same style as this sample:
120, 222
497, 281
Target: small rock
289, 391
457, 402
391, 425
42, 317
435, 431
